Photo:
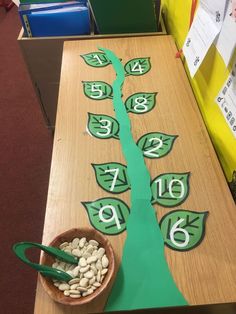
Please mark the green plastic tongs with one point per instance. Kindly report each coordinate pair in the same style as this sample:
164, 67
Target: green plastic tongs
20, 248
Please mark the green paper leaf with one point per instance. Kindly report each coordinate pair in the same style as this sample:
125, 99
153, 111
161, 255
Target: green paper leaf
155, 144
102, 126
140, 102
108, 215
138, 66
112, 177
96, 59
97, 90
183, 230
170, 189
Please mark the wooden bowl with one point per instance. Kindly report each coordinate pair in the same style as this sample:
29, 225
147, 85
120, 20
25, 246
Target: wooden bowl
90, 234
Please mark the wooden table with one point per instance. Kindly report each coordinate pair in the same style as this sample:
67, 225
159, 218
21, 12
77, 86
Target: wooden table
206, 274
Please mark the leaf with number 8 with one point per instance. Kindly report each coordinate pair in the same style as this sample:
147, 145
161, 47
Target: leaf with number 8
183, 230
170, 189
138, 66
112, 177
97, 90
102, 126
155, 144
108, 215
140, 102
96, 59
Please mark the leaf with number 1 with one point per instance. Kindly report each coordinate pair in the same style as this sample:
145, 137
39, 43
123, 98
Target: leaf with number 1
183, 230
112, 177
138, 66
96, 59
170, 189
108, 215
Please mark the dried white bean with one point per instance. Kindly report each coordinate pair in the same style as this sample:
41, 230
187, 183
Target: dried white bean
82, 242
104, 271
86, 255
93, 242
64, 286
96, 284
56, 284
74, 286
94, 269
89, 274
76, 271
91, 281
75, 296
66, 293
76, 252
63, 245
99, 276
74, 292
82, 262
82, 289
99, 265
105, 261
83, 282
94, 252
84, 269
91, 259
75, 243
73, 281
100, 252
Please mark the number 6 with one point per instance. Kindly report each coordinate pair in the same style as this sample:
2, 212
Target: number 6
175, 229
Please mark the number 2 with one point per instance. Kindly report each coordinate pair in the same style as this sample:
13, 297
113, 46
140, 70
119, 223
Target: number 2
153, 151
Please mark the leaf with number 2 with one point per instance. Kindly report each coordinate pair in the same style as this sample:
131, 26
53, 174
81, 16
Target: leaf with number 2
183, 230
102, 126
156, 144
108, 215
170, 189
112, 177
96, 59
138, 66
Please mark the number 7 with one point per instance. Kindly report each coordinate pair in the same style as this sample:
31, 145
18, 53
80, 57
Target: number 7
116, 171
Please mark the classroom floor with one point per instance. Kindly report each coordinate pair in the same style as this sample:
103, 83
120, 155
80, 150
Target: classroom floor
25, 145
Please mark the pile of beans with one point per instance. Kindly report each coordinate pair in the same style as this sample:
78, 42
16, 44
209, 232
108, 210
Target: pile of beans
89, 274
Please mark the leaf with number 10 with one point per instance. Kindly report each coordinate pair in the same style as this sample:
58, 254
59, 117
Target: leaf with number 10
183, 230
137, 66
108, 215
170, 189
112, 177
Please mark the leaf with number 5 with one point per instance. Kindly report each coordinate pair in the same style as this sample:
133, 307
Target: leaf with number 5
155, 144
102, 126
97, 90
140, 102
112, 177
170, 189
108, 215
96, 59
138, 66
183, 230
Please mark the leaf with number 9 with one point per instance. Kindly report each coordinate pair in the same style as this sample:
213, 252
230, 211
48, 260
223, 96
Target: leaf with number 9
183, 230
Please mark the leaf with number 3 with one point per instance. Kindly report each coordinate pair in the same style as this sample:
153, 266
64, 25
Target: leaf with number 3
140, 102
170, 189
108, 215
138, 66
112, 177
97, 90
183, 230
96, 59
155, 144
102, 126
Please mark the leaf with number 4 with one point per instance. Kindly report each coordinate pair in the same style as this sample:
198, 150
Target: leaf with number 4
140, 102
102, 126
97, 90
138, 66
108, 215
112, 177
155, 144
96, 59
170, 189
183, 230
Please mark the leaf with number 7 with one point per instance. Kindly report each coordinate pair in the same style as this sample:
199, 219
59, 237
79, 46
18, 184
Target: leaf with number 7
137, 66
183, 230
108, 215
112, 177
170, 189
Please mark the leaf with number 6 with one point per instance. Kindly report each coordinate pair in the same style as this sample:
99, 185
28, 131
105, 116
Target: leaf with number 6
96, 59
97, 90
138, 66
140, 102
155, 144
112, 177
102, 126
170, 189
108, 215
183, 230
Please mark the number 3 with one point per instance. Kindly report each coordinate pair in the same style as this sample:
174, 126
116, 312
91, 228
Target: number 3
107, 127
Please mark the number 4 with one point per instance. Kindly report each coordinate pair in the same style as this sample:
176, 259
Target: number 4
137, 68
